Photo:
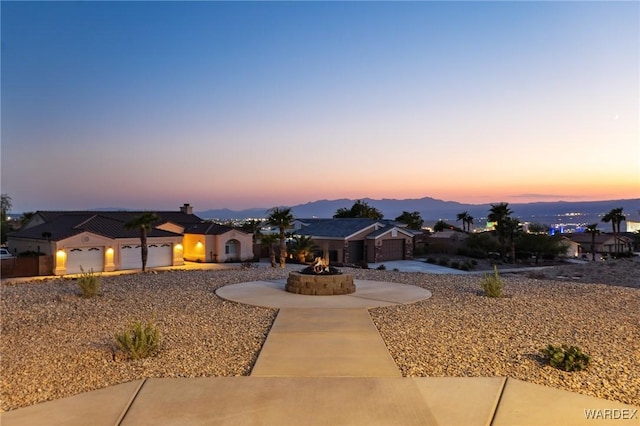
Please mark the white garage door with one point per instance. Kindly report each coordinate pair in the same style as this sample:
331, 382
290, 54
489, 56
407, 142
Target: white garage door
159, 255
89, 258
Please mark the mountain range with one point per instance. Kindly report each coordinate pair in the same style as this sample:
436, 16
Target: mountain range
432, 210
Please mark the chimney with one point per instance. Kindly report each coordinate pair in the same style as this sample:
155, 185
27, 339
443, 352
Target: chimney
187, 209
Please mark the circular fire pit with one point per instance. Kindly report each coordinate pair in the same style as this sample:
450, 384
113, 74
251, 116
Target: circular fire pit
320, 280
320, 285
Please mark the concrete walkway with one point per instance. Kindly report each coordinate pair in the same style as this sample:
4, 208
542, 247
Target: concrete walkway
324, 363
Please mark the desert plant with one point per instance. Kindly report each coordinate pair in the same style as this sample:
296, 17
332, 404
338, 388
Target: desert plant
566, 358
455, 264
431, 260
443, 261
381, 267
89, 283
492, 284
139, 340
363, 264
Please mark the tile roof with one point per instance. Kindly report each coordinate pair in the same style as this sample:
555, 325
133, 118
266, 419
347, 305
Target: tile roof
209, 228
337, 227
62, 225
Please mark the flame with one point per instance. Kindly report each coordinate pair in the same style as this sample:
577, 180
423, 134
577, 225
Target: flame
320, 265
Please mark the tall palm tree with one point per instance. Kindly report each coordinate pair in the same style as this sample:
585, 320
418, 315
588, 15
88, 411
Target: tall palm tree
593, 230
512, 228
463, 217
282, 218
500, 213
143, 223
469, 222
615, 216
269, 240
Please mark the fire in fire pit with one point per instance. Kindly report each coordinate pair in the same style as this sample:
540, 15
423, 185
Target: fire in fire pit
320, 266
320, 279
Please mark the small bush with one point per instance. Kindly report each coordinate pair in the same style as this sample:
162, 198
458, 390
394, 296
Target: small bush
248, 265
443, 261
139, 340
381, 267
492, 284
89, 283
363, 264
566, 358
455, 264
431, 260
465, 266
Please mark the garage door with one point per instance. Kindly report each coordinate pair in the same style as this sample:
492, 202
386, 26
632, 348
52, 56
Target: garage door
89, 258
392, 250
159, 255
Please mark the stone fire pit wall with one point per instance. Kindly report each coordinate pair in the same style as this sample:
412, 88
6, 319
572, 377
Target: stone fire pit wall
320, 285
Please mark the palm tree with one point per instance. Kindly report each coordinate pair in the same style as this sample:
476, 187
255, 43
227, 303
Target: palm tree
593, 230
143, 223
5, 208
269, 240
462, 217
302, 247
615, 216
469, 222
512, 228
500, 213
282, 218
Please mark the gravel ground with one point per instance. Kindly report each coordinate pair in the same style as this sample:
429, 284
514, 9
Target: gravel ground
55, 344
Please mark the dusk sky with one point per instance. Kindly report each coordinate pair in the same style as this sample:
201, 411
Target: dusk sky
149, 105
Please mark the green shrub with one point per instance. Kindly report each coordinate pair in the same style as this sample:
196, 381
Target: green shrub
443, 261
492, 284
567, 358
89, 283
139, 340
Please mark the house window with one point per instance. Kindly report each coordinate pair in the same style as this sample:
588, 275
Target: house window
230, 248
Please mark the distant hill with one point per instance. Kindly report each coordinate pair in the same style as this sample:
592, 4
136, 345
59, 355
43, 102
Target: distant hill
432, 209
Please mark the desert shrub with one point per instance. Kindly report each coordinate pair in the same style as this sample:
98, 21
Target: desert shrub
443, 261
381, 267
492, 284
431, 260
248, 265
566, 358
474, 263
455, 264
465, 266
139, 340
363, 264
89, 283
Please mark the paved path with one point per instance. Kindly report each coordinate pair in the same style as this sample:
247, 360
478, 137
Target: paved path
324, 343
325, 365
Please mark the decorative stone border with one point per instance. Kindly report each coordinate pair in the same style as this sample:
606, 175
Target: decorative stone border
320, 285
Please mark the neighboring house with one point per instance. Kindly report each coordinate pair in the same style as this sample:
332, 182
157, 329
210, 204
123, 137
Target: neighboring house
211, 242
99, 241
604, 243
353, 240
573, 248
